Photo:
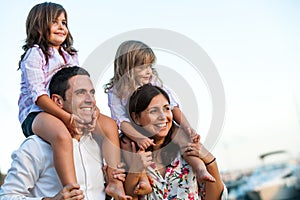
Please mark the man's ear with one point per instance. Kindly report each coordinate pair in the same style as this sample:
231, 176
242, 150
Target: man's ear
58, 100
135, 118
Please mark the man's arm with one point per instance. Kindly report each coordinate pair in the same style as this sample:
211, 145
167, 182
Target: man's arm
24, 179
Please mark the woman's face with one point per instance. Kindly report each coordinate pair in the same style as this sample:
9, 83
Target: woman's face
157, 118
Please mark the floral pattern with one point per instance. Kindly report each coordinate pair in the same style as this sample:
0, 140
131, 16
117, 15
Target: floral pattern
179, 183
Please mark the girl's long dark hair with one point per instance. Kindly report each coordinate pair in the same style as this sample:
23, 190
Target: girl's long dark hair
38, 29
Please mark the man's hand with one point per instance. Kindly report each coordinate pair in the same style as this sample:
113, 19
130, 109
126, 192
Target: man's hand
118, 173
69, 192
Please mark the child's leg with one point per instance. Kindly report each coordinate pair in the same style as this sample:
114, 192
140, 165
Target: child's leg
143, 186
182, 139
111, 153
54, 131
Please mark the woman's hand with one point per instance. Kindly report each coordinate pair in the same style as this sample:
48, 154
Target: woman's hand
196, 149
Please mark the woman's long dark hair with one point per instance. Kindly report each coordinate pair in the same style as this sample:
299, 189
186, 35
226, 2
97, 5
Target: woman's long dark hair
139, 102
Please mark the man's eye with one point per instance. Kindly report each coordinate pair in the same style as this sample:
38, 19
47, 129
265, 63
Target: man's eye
80, 92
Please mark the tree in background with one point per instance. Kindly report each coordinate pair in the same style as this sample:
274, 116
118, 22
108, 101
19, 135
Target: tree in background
1, 178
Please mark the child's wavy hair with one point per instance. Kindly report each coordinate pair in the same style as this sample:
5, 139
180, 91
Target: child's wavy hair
130, 54
38, 29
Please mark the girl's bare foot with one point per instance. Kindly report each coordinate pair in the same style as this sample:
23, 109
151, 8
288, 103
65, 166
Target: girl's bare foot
143, 188
115, 189
204, 176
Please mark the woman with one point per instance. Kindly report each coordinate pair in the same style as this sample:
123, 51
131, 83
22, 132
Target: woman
169, 174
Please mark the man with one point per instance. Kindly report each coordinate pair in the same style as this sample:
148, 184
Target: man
32, 174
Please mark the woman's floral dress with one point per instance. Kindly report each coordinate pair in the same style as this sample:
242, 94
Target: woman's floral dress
179, 182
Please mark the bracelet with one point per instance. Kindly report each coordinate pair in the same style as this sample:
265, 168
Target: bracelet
213, 160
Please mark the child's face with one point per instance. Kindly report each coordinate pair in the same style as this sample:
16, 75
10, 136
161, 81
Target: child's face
143, 74
58, 31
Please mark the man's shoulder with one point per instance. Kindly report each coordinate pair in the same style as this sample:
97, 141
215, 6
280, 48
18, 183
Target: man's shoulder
34, 141
35, 138
33, 148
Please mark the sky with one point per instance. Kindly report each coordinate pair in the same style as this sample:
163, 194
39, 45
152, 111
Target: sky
254, 45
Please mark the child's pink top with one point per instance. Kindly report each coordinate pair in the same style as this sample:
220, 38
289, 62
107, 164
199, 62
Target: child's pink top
36, 75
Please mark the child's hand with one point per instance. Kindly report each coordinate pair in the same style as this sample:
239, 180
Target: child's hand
144, 143
141, 159
76, 124
91, 126
195, 137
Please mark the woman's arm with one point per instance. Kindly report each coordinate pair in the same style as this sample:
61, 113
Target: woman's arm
213, 190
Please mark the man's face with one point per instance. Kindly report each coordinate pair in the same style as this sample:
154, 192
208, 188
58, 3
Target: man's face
80, 99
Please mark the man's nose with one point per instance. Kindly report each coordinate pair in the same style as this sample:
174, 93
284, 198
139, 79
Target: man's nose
89, 98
